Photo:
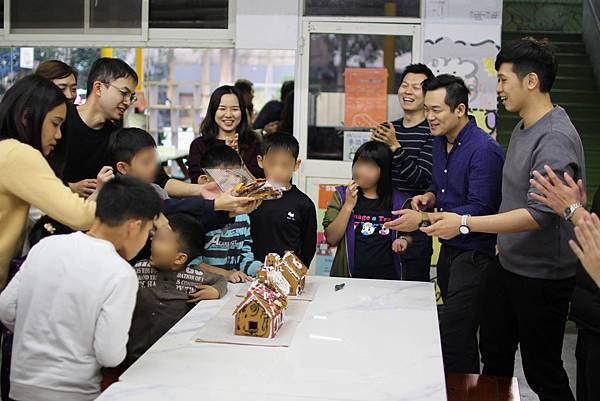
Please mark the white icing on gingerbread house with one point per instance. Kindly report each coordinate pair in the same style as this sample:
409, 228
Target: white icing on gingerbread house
260, 314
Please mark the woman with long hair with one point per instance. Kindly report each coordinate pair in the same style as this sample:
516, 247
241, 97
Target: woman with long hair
31, 151
226, 122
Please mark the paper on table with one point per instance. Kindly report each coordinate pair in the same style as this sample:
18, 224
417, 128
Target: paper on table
310, 290
220, 329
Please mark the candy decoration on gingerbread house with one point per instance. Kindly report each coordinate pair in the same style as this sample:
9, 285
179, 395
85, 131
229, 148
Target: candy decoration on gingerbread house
260, 314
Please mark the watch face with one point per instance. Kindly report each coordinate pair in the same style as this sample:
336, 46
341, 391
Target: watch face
464, 230
424, 223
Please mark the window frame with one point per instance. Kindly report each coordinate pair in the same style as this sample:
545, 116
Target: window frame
124, 37
337, 169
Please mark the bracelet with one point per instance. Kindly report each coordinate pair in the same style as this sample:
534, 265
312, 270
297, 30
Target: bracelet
570, 210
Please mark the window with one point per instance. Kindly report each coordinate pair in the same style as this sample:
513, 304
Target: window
113, 14
362, 8
205, 23
35, 14
75, 16
179, 83
1, 14
112, 23
331, 57
189, 14
252, 326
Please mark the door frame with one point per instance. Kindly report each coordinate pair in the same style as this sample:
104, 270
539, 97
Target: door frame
333, 169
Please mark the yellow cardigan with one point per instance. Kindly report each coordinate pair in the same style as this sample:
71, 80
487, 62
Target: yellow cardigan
26, 179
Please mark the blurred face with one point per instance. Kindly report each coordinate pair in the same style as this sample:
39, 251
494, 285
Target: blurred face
229, 114
279, 166
165, 250
116, 97
143, 165
136, 237
410, 92
511, 89
366, 174
51, 126
205, 178
68, 86
442, 120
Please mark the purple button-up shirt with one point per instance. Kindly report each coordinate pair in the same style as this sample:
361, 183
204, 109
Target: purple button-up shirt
468, 180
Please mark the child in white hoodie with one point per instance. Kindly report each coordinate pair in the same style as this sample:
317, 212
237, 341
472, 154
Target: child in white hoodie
70, 305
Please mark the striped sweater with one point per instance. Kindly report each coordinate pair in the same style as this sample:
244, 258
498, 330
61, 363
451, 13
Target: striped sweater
230, 248
411, 166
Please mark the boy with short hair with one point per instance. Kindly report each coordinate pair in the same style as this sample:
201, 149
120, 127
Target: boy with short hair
133, 153
289, 223
71, 303
169, 286
228, 251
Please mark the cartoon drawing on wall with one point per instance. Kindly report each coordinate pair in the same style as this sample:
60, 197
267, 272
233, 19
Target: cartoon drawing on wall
486, 120
474, 62
466, 69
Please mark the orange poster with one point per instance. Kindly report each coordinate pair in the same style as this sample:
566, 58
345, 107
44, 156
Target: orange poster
326, 192
366, 97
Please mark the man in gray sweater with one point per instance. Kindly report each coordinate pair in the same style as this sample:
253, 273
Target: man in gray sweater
528, 294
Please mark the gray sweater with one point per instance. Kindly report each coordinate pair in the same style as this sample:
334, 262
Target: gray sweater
544, 253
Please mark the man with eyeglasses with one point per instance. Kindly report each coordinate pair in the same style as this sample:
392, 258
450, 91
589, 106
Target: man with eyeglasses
110, 92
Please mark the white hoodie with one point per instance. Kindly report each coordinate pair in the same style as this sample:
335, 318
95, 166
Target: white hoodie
70, 309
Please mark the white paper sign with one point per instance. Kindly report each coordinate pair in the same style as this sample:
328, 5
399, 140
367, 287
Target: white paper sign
352, 141
26, 57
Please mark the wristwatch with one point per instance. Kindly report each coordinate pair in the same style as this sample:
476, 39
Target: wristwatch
425, 222
464, 228
570, 210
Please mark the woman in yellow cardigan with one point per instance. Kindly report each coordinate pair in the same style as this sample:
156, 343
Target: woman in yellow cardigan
31, 151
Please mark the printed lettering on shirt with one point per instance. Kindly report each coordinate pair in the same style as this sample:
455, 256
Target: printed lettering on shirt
217, 241
369, 225
185, 280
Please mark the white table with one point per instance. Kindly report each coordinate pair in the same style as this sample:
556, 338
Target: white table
372, 340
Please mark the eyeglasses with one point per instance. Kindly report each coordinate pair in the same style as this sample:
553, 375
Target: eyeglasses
127, 95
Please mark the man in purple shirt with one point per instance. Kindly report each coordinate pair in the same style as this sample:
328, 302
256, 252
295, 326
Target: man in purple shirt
467, 180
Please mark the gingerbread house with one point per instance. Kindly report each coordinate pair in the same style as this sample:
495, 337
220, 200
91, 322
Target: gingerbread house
287, 272
294, 272
273, 272
260, 314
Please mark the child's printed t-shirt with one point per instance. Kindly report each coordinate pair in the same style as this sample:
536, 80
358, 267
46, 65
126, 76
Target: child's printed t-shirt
373, 255
162, 300
177, 284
